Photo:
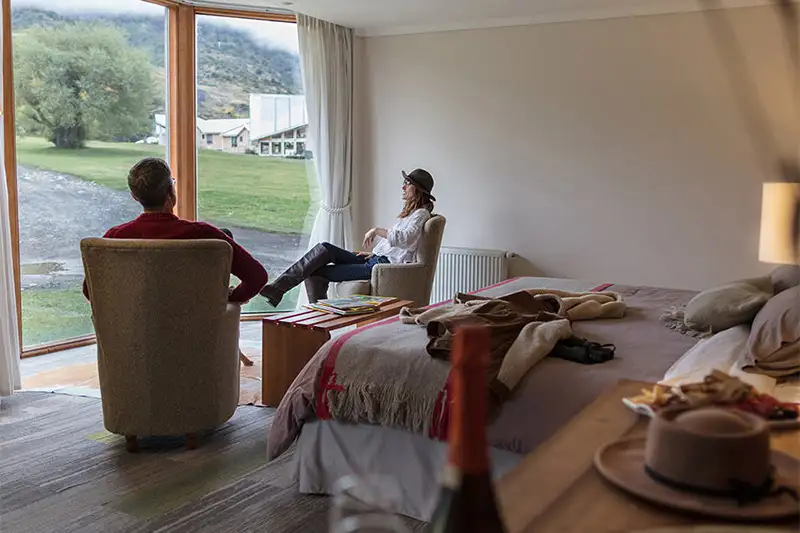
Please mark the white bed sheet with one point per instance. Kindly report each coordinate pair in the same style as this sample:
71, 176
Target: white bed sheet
725, 352
328, 450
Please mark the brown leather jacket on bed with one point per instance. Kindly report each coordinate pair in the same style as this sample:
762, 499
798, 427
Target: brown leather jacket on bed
505, 318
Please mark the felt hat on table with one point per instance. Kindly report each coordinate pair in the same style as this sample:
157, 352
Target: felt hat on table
711, 461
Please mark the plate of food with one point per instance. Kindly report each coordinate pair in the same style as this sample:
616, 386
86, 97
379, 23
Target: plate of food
718, 388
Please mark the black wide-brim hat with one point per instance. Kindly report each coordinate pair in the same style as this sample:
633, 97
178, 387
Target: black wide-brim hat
422, 179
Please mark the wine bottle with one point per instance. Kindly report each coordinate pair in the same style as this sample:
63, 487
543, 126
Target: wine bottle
466, 502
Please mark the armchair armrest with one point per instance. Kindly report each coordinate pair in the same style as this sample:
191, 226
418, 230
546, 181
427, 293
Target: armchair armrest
231, 316
406, 281
228, 339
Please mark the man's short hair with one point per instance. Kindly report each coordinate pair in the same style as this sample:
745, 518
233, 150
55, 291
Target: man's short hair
150, 182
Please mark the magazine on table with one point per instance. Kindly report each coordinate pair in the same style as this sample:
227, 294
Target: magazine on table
356, 301
351, 305
342, 312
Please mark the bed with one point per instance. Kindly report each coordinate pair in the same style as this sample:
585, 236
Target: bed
550, 395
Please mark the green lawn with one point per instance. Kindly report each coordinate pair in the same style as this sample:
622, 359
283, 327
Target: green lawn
54, 314
50, 315
247, 191
235, 190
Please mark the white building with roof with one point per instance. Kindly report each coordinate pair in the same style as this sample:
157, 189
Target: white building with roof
225, 134
279, 124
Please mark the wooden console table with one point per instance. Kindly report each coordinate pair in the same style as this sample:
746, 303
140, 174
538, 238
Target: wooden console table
556, 488
289, 340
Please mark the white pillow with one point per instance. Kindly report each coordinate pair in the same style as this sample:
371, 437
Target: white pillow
725, 352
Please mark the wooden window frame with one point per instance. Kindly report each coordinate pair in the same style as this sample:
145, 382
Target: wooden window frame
182, 108
10, 155
181, 128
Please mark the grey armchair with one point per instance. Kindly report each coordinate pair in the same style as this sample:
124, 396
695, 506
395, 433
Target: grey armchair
407, 281
167, 337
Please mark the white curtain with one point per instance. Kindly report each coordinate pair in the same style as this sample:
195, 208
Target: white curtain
326, 58
9, 339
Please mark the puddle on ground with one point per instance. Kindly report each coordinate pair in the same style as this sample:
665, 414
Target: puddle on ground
40, 269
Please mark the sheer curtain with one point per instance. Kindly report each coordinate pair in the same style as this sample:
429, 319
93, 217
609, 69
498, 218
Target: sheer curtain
326, 59
9, 339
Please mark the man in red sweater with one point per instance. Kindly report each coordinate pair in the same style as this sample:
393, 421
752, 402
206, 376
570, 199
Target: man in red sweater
152, 185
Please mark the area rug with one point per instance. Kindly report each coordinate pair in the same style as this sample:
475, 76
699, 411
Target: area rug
82, 380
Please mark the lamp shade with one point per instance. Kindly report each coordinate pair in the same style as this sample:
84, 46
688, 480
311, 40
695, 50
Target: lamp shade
777, 243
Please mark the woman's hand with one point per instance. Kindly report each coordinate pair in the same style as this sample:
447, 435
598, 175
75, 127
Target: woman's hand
363, 254
369, 237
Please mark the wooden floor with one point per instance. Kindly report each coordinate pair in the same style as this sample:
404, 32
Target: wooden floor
60, 471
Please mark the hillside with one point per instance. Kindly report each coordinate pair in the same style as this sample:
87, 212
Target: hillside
230, 64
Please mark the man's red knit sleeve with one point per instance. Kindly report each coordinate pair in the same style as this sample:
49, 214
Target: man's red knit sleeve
244, 266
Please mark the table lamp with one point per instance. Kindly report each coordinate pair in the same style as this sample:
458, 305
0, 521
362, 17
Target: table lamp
780, 234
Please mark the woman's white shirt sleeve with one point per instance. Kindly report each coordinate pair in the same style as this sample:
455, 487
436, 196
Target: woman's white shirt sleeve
402, 239
406, 232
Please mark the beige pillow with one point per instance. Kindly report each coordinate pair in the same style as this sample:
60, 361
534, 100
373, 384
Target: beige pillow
729, 305
784, 362
774, 343
785, 277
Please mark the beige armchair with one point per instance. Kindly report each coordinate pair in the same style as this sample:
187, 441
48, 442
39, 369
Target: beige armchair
167, 337
407, 281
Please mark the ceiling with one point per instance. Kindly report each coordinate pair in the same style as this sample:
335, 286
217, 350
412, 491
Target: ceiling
388, 17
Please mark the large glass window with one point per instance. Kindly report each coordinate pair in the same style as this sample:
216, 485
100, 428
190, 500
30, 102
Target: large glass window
90, 92
254, 180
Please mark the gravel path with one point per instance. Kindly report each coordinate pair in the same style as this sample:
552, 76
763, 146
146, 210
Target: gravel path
57, 211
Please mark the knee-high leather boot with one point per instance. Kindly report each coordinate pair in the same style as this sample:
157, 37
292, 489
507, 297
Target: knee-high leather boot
315, 258
316, 288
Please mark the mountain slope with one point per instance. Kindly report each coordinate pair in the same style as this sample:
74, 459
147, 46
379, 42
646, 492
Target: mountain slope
230, 64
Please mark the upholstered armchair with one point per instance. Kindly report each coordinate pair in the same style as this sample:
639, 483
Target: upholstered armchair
167, 337
407, 281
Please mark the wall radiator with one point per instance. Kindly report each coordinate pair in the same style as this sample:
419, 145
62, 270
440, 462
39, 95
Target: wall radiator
467, 269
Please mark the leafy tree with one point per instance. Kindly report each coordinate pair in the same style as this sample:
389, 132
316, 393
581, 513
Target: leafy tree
81, 80
230, 63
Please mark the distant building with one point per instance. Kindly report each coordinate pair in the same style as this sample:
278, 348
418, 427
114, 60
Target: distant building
225, 134
236, 140
277, 127
160, 128
271, 113
290, 142
279, 124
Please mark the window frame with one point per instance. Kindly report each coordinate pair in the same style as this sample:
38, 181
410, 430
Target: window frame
181, 128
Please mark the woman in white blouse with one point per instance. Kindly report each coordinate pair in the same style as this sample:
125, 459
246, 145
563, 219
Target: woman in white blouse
398, 244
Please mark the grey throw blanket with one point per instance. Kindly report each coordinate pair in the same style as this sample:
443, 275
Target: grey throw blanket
645, 349
406, 391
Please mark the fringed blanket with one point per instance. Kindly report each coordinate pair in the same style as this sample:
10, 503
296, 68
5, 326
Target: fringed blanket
674, 318
385, 378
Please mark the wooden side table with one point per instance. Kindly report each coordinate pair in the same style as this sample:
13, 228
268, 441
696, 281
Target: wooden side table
289, 340
556, 488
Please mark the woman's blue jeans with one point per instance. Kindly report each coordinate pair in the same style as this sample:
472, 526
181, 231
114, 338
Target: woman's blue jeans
347, 266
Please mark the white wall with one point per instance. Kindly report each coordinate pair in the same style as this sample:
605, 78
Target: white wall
611, 150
